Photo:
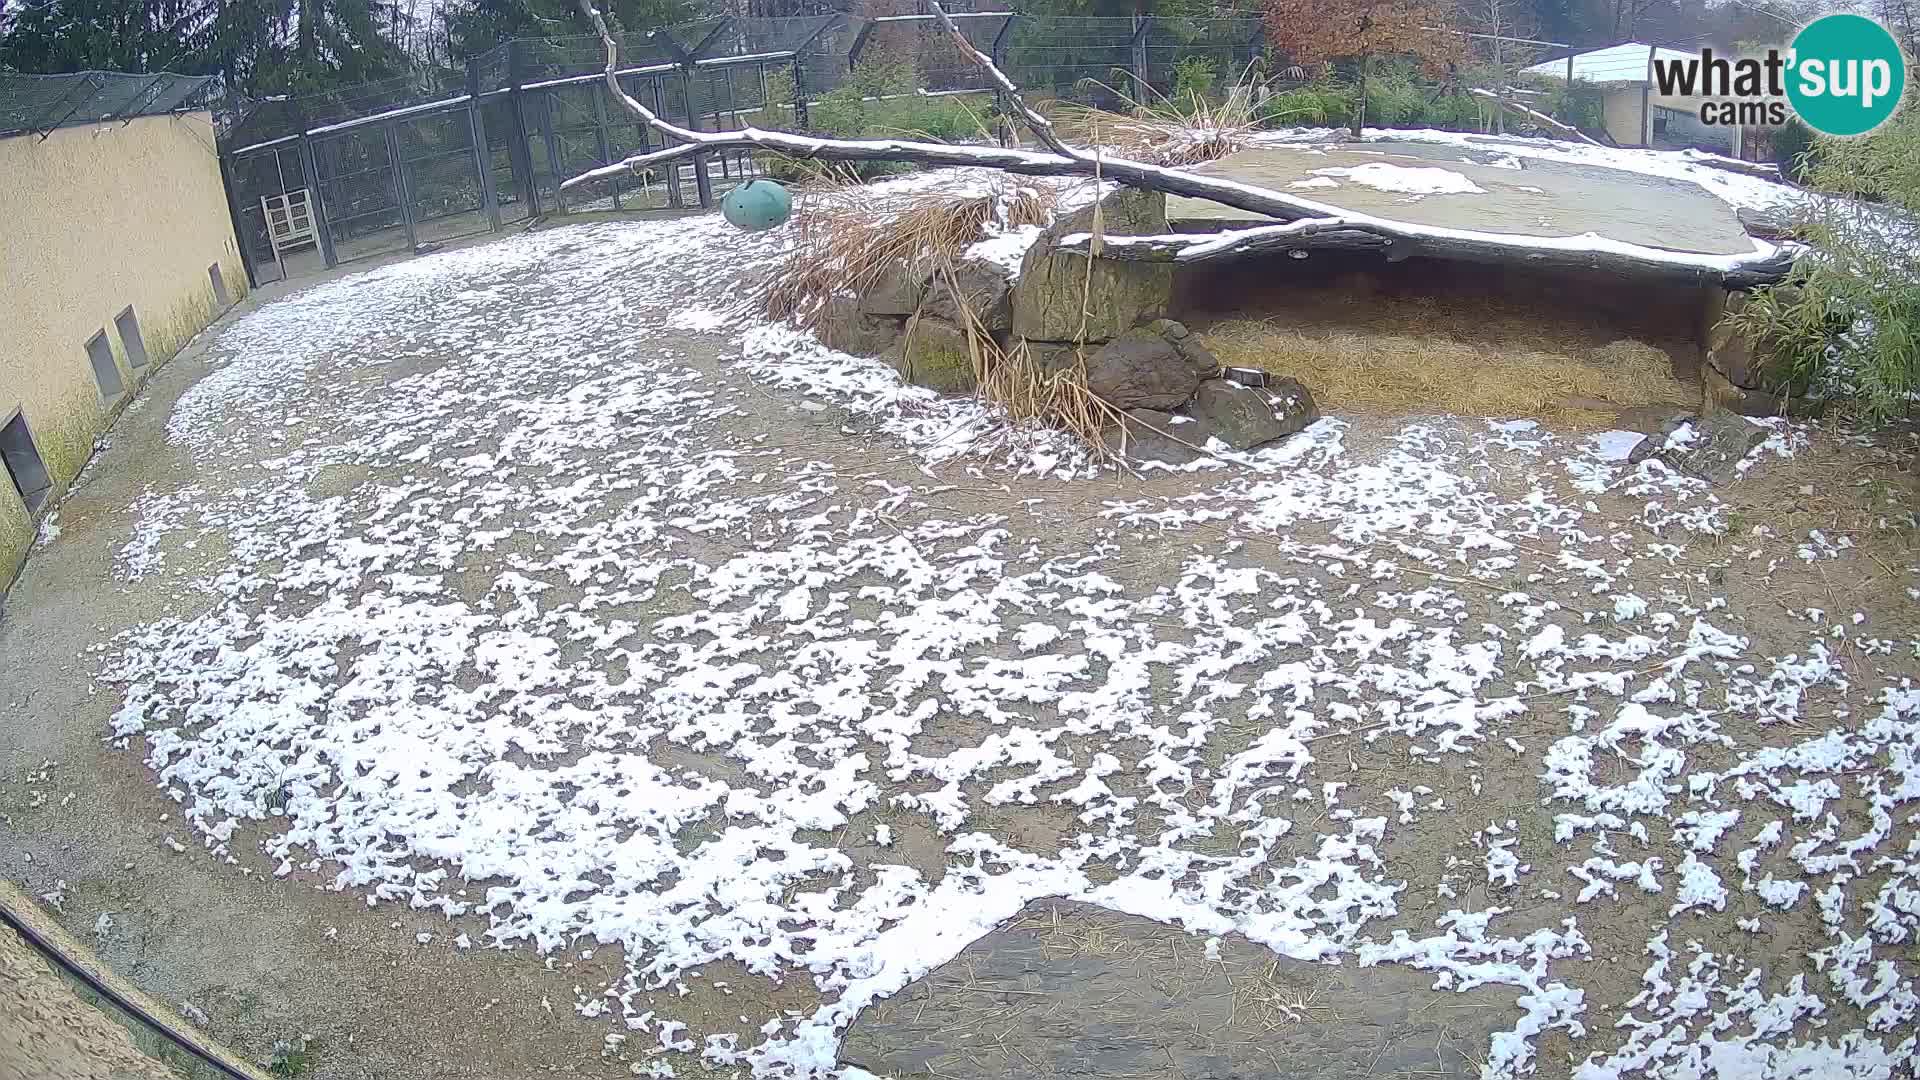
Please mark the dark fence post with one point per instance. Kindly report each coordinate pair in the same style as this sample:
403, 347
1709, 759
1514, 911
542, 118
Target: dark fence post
600, 142
316, 204
482, 152
402, 191
520, 151
998, 53
1137, 56
239, 223
801, 121
702, 183
553, 148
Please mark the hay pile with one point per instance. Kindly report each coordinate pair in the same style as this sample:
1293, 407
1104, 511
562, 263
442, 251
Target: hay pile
1374, 372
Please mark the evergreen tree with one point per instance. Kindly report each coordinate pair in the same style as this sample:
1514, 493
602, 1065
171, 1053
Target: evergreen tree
106, 35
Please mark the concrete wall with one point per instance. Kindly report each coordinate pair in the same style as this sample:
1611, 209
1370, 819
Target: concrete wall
1620, 115
92, 219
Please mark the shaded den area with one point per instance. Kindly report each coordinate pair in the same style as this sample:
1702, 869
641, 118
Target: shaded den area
1424, 334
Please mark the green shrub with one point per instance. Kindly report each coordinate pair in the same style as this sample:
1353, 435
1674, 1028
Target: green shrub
1315, 105
1193, 78
1850, 316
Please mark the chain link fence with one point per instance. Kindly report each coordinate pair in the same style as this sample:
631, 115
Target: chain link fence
38, 104
409, 162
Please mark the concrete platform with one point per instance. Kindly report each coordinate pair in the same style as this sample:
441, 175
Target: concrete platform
1536, 198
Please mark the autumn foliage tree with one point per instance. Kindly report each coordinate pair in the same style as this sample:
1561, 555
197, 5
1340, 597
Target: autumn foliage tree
1316, 32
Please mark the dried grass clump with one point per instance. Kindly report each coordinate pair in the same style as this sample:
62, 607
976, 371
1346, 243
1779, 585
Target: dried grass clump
1172, 131
1396, 373
1031, 394
849, 237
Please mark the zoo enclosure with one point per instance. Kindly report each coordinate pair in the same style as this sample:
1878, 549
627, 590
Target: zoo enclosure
406, 163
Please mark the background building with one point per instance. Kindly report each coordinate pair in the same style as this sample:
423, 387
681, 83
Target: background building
1633, 111
116, 248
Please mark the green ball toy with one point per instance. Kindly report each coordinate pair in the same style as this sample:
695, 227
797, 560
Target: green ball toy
758, 205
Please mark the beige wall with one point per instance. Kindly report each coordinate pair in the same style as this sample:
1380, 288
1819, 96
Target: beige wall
1621, 114
93, 219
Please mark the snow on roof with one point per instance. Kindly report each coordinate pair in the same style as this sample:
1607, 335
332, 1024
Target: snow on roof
1615, 64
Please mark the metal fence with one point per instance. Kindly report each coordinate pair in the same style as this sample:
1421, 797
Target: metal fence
406, 163
38, 104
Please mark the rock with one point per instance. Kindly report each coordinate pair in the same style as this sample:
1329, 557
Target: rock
1711, 447
1244, 417
1158, 366
1047, 297
1152, 435
847, 328
934, 354
1719, 394
897, 290
1067, 989
1657, 436
1048, 357
985, 288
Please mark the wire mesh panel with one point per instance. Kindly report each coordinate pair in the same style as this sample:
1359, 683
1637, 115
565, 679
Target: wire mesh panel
1225, 47
1072, 57
41, 103
360, 192
260, 180
441, 182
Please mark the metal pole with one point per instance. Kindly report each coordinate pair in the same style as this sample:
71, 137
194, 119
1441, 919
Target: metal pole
600, 142
702, 183
1137, 48
1566, 102
801, 121
673, 168
520, 151
401, 194
1006, 134
482, 153
317, 205
239, 224
553, 149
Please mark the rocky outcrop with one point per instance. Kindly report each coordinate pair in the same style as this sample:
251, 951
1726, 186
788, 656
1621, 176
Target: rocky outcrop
1053, 286
1157, 366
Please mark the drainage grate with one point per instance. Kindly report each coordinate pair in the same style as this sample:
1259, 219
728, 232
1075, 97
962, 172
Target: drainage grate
23, 462
106, 373
219, 285
130, 340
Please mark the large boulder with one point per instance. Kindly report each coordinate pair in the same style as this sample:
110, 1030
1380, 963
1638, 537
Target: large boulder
1048, 297
1069, 990
934, 354
1157, 366
1710, 447
845, 327
982, 285
1244, 417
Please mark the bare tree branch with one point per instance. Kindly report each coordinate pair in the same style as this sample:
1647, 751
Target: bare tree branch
1536, 116
1304, 224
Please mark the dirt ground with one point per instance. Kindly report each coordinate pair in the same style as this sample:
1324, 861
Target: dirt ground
381, 991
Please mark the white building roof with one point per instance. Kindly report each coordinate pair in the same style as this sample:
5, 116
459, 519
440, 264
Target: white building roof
1616, 64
